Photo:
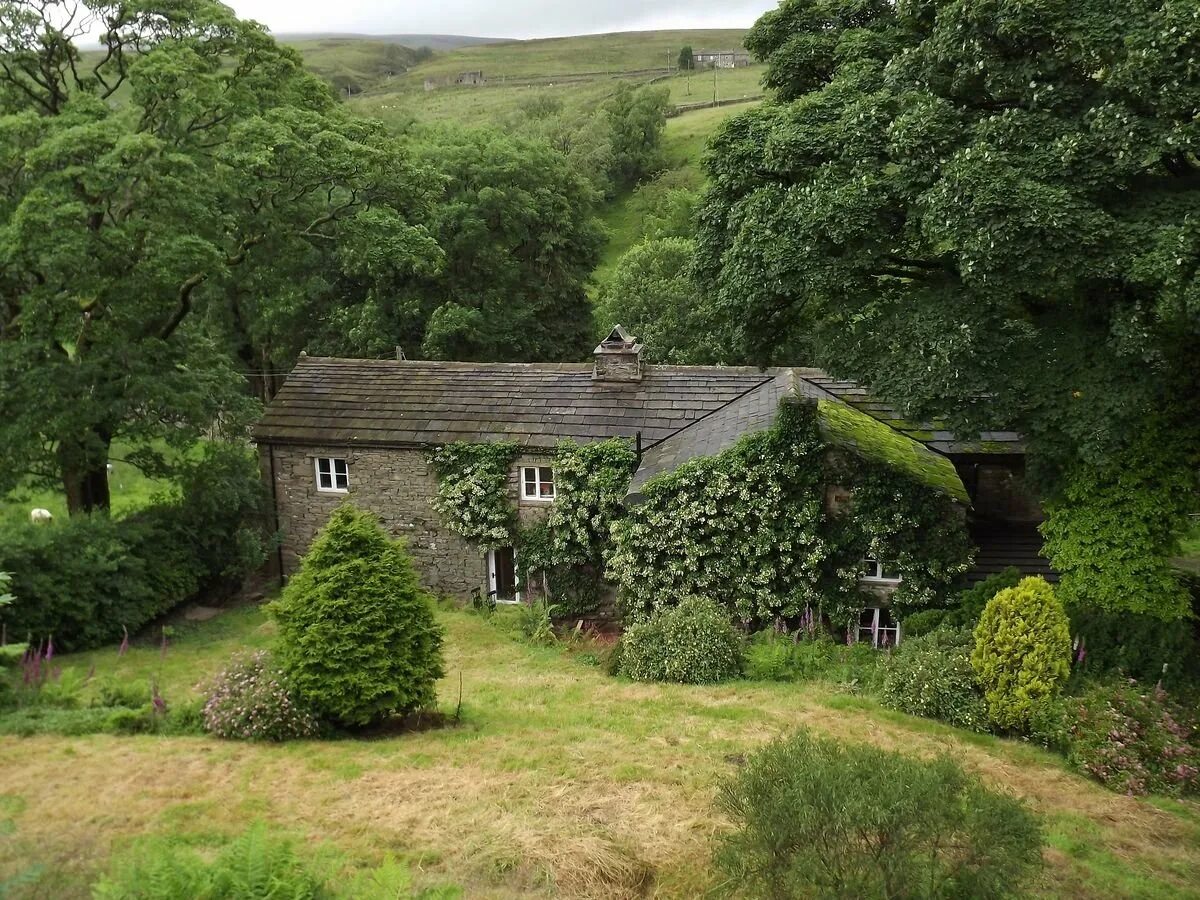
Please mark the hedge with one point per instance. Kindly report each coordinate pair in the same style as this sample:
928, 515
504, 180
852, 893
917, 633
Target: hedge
83, 580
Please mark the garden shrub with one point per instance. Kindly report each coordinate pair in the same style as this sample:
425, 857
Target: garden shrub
1134, 739
691, 643
1022, 652
774, 656
1142, 647
924, 622
84, 579
816, 818
971, 602
931, 676
357, 636
251, 700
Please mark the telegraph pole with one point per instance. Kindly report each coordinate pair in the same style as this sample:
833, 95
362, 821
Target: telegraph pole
716, 65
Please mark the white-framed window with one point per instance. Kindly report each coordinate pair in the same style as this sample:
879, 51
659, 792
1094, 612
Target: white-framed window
537, 483
877, 573
333, 475
877, 627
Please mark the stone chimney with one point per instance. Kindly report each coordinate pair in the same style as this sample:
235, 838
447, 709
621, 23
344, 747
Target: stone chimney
618, 358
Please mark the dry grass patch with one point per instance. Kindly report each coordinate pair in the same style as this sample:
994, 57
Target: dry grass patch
561, 782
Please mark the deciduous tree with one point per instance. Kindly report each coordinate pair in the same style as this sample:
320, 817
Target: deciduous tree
138, 184
989, 212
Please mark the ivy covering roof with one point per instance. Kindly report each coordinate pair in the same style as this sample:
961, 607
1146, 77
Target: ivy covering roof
844, 426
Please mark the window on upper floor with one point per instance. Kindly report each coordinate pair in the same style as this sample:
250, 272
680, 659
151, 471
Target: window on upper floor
333, 475
877, 572
537, 483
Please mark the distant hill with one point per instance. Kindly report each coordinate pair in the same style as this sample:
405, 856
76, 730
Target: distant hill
579, 71
439, 42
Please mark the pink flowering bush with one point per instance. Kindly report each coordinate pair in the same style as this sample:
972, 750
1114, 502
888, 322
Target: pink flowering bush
1135, 740
252, 701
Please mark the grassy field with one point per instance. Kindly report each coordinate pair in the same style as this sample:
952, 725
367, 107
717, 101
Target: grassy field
589, 53
130, 490
561, 782
578, 71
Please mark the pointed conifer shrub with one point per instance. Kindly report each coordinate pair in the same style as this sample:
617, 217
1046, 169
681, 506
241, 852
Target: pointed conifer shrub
357, 635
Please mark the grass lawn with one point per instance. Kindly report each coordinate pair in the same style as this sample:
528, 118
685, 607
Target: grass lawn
562, 781
130, 490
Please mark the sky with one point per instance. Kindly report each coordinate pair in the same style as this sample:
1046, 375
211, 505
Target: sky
499, 18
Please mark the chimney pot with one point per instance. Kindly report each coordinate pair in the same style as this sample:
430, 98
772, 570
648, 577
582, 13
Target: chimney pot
618, 357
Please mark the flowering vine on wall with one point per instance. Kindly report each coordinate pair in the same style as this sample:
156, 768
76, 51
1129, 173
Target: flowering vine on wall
472, 494
748, 527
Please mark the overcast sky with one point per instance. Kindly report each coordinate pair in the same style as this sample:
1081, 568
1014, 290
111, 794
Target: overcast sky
499, 18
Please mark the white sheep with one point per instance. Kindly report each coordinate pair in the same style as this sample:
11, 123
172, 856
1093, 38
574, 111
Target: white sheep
40, 516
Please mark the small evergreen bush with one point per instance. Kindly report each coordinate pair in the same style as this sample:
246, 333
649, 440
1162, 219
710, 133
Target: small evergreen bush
357, 636
252, 701
816, 818
931, 676
1022, 652
1134, 740
691, 643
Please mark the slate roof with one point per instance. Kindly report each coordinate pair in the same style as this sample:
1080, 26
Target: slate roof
679, 412
752, 412
841, 424
400, 403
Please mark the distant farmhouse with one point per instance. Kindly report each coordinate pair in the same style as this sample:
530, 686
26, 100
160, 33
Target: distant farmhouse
720, 59
469, 78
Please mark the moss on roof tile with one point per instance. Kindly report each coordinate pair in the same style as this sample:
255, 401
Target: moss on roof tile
858, 432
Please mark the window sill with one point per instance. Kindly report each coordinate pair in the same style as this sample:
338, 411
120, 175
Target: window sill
537, 499
322, 490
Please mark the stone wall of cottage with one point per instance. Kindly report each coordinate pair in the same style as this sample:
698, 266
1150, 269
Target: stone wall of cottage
397, 485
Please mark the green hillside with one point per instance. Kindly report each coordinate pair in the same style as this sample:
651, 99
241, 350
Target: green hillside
683, 143
356, 64
592, 54
576, 71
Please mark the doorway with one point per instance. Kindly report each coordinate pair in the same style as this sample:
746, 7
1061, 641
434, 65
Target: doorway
502, 575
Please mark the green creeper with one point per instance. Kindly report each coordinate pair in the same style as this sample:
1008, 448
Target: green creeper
1022, 652
357, 634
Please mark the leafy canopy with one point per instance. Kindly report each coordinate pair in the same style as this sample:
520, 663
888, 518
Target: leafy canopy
156, 198
952, 200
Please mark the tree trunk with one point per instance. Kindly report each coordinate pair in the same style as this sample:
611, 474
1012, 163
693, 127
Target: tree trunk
86, 484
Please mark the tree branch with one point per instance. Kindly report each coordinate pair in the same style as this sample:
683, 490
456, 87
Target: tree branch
185, 304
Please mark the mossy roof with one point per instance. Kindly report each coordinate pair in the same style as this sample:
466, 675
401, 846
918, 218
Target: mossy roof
844, 426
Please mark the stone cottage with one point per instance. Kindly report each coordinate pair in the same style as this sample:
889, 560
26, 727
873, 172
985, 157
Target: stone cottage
363, 430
